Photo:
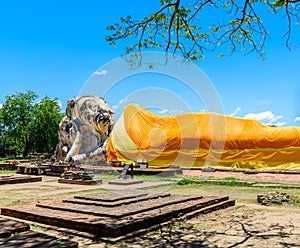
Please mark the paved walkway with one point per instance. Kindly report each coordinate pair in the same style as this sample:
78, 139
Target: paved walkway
263, 177
67, 188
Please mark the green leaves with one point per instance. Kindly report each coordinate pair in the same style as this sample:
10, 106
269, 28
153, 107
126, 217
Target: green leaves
279, 3
186, 28
17, 116
45, 125
27, 125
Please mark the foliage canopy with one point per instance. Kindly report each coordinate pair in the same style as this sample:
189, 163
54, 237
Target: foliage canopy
27, 125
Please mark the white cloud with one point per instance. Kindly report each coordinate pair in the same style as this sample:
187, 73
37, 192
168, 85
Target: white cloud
170, 111
122, 101
267, 118
297, 118
101, 72
59, 103
280, 123
236, 111
176, 111
163, 111
1, 105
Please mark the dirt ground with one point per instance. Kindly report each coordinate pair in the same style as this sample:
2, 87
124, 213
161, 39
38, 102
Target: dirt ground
244, 225
239, 226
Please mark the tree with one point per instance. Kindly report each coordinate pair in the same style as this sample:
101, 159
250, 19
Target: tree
27, 125
45, 125
3, 136
16, 119
183, 27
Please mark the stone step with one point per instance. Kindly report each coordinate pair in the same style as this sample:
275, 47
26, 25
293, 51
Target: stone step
10, 227
210, 208
17, 234
112, 196
117, 203
120, 212
35, 239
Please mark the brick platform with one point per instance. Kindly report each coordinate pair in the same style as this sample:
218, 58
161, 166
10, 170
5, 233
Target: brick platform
81, 182
112, 215
17, 234
12, 179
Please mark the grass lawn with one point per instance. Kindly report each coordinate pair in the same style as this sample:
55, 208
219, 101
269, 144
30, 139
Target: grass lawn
177, 184
223, 187
8, 172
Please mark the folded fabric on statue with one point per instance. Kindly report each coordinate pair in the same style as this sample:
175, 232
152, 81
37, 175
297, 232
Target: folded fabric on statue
200, 139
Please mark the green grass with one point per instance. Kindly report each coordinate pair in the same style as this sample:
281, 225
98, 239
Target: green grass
230, 178
295, 200
8, 171
233, 181
240, 193
105, 177
20, 196
225, 181
177, 184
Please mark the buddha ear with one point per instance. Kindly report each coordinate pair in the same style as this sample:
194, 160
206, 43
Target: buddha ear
70, 105
110, 110
107, 107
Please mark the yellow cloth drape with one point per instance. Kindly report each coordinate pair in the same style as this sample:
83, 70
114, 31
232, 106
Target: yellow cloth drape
193, 139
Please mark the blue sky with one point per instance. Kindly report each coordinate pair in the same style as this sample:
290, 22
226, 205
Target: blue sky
54, 47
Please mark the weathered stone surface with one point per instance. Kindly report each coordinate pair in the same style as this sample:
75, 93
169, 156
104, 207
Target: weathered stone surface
122, 201
274, 197
17, 234
34, 239
9, 227
80, 181
12, 179
112, 196
127, 181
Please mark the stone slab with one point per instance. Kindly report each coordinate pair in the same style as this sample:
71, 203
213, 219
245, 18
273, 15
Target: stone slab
35, 239
10, 227
80, 182
125, 182
13, 179
113, 196
97, 202
17, 234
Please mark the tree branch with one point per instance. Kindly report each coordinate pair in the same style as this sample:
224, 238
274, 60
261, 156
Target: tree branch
174, 25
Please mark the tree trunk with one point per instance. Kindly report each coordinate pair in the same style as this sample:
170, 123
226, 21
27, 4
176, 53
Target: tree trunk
27, 148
